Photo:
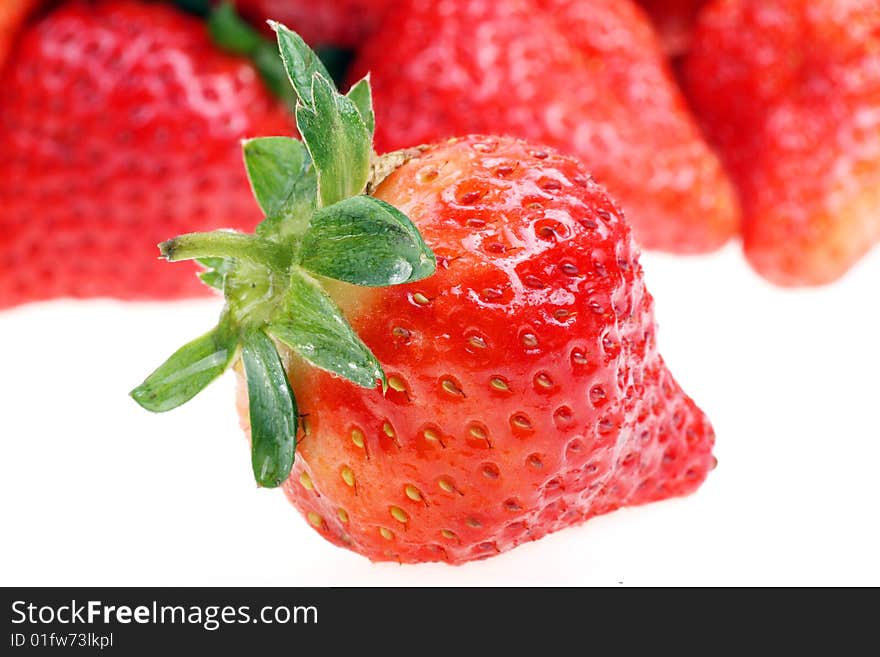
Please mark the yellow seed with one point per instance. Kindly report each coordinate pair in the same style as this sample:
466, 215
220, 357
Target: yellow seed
477, 342
521, 421
314, 519
450, 387
387, 534
473, 522
348, 475
396, 383
413, 493
306, 481
544, 381
446, 533
343, 515
420, 299
399, 514
477, 432
357, 437
306, 427
446, 485
499, 384
388, 429
430, 434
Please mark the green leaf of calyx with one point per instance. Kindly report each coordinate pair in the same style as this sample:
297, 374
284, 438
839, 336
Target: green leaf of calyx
365, 241
212, 279
283, 182
273, 412
300, 62
362, 97
189, 369
215, 272
314, 327
338, 141
271, 68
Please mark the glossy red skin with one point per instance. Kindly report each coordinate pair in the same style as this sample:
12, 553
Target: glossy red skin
121, 124
675, 21
790, 93
587, 78
527, 245
343, 23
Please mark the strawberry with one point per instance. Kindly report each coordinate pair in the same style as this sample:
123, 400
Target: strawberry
790, 92
495, 291
675, 22
123, 121
587, 78
343, 23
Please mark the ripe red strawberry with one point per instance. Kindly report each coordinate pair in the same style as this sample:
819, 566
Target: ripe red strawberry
790, 93
524, 392
675, 21
121, 122
587, 78
322, 22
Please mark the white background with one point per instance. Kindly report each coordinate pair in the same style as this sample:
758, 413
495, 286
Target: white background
96, 491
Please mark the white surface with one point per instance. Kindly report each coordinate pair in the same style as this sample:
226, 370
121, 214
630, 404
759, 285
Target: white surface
96, 491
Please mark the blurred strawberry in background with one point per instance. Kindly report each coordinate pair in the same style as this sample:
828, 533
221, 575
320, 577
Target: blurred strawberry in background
589, 78
675, 22
120, 122
789, 91
344, 23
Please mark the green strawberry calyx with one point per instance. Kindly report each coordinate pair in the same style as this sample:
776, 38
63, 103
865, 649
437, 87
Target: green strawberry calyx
319, 224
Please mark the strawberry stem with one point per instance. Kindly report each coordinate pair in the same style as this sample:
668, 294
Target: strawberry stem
227, 244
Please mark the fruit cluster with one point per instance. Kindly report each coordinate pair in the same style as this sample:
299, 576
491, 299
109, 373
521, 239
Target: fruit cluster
439, 323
